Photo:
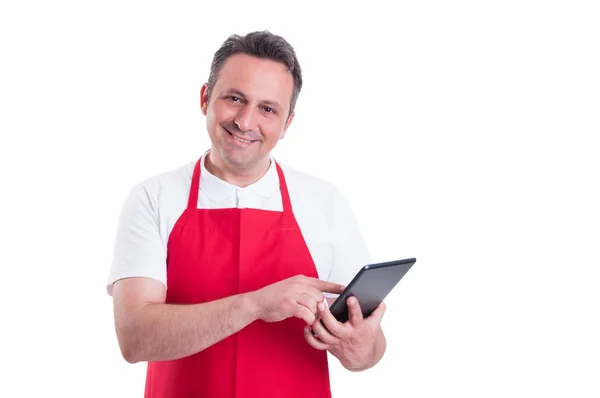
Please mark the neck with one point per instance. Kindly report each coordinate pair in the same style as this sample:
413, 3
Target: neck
236, 176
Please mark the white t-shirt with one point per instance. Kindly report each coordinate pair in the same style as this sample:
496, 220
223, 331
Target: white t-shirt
153, 206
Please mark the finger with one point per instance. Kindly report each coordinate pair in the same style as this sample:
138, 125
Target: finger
323, 334
313, 341
327, 287
376, 315
330, 300
354, 312
308, 301
334, 327
304, 313
315, 293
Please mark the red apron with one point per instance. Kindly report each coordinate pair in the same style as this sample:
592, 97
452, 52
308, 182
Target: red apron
217, 253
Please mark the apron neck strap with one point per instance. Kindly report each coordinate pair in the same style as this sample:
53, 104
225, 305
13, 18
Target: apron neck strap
195, 187
285, 196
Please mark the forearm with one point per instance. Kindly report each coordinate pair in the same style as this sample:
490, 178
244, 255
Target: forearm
157, 332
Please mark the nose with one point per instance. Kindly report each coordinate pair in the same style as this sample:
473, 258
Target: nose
247, 118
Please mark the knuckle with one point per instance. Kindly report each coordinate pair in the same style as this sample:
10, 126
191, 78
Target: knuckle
309, 317
287, 301
298, 311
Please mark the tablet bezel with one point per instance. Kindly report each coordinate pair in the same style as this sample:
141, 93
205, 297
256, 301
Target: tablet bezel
339, 308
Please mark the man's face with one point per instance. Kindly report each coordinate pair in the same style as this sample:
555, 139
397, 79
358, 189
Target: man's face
247, 112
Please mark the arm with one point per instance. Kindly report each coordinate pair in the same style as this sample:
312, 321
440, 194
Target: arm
150, 330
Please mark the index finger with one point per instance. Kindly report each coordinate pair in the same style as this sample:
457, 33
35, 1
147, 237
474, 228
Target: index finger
327, 287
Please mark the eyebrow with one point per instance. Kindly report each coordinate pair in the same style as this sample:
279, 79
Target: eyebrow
239, 93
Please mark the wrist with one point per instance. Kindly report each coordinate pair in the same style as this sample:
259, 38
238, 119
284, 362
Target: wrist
250, 305
358, 365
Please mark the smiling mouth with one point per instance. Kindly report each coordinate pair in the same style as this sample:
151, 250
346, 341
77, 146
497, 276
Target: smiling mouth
242, 140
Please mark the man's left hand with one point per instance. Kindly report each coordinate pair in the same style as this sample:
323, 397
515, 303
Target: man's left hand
358, 343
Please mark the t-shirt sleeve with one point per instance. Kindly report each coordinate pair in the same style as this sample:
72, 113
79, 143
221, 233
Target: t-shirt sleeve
139, 249
349, 249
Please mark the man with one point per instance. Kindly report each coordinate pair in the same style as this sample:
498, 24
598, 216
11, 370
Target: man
221, 266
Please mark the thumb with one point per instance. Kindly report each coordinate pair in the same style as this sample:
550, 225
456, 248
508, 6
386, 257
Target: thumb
354, 312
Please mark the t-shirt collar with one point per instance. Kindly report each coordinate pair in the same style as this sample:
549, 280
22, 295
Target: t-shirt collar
218, 190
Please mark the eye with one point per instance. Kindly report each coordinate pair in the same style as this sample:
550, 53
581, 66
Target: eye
234, 98
267, 109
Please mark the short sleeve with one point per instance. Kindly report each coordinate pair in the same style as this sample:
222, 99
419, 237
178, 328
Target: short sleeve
349, 250
139, 249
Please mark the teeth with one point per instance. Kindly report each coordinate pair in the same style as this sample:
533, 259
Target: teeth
241, 140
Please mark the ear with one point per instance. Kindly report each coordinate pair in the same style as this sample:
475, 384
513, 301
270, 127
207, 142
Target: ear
287, 124
204, 98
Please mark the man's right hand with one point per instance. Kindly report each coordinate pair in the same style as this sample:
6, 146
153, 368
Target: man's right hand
297, 296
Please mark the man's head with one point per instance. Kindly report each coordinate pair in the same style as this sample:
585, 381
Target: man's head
251, 93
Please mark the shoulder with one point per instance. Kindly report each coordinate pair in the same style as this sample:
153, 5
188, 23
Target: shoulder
173, 179
317, 196
161, 193
305, 184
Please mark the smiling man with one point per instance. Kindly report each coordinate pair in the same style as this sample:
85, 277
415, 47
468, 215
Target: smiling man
221, 265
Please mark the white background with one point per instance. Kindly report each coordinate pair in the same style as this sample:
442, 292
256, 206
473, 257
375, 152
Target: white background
464, 134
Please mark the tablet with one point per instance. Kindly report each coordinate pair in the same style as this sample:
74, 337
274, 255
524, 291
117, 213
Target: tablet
370, 286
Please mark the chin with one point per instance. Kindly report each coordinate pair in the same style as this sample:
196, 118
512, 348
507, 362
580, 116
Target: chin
237, 160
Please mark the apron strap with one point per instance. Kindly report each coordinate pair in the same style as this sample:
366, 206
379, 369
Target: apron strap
285, 196
195, 187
